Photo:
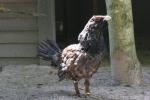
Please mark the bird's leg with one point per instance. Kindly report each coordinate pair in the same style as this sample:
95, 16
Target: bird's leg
76, 88
87, 85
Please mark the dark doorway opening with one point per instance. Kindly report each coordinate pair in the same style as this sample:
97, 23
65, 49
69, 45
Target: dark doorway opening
72, 15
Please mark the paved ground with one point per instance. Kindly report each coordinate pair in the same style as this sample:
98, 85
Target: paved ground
33, 82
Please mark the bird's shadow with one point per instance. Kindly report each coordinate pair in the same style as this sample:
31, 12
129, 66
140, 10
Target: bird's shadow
60, 95
70, 94
62, 92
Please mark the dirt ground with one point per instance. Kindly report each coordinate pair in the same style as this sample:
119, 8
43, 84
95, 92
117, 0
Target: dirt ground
33, 82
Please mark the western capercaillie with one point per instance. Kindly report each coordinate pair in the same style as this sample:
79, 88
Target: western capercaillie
82, 60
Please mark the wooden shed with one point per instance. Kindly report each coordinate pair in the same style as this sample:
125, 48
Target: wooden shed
21, 33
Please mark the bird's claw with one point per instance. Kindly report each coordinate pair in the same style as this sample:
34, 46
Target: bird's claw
77, 95
88, 93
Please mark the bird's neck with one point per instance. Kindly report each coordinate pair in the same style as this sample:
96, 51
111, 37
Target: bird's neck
95, 46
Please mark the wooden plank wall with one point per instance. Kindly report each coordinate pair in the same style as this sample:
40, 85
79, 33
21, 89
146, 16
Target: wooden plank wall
18, 33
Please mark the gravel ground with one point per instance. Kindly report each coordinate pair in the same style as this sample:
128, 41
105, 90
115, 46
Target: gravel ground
34, 82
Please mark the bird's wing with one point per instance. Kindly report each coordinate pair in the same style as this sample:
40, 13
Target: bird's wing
70, 54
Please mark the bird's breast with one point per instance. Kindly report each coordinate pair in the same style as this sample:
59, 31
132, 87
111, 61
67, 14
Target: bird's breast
79, 64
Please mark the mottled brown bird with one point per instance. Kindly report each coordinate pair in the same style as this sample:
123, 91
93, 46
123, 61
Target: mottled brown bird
82, 60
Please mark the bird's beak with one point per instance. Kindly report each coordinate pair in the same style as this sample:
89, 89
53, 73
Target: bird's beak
107, 18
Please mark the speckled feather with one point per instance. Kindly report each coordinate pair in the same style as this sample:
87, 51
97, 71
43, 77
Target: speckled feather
80, 64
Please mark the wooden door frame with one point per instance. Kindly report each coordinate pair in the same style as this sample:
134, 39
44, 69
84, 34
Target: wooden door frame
46, 22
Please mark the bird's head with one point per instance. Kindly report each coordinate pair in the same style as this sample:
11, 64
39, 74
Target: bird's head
97, 23
93, 29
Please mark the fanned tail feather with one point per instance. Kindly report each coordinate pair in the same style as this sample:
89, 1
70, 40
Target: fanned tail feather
49, 50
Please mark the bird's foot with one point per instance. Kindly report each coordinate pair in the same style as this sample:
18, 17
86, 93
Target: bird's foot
88, 93
77, 95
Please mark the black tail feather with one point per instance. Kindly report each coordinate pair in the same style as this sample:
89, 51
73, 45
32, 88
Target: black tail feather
53, 45
49, 50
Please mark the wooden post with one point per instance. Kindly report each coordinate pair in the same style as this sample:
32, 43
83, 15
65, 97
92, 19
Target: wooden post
46, 23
